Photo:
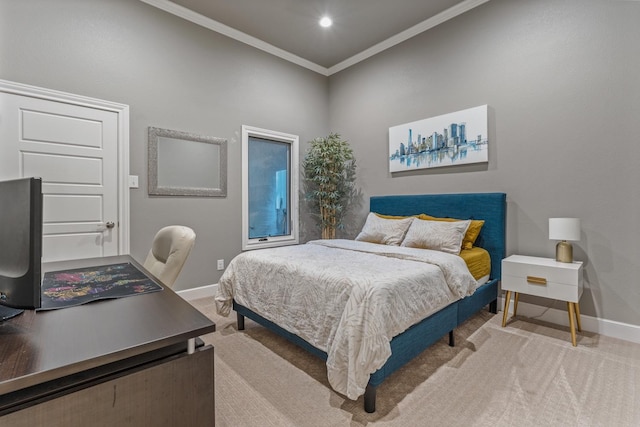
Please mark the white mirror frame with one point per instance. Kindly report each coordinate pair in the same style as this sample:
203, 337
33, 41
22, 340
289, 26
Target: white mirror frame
170, 189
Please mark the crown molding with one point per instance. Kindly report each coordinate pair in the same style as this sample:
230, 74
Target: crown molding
423, 26
219, 27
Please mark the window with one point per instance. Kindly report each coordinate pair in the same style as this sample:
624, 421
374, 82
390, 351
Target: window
269, 188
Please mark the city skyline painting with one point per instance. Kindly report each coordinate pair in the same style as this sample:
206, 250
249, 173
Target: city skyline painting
450, 139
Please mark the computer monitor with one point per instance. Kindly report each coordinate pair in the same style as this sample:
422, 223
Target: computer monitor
20, 245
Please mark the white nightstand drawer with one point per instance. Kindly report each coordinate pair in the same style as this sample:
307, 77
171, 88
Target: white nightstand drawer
536, 285
549, 269
543, 277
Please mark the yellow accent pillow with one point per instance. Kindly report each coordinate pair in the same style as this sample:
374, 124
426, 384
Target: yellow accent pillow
472, 232
394, 216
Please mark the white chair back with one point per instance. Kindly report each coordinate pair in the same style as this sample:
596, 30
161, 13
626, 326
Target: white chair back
170, 249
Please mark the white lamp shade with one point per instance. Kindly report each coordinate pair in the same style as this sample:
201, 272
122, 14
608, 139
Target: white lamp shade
564, 229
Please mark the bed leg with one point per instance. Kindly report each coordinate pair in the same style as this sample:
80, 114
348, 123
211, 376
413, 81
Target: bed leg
452, 339
370, 399
493, 306
240, 318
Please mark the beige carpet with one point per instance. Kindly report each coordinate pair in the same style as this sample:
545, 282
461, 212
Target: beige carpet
526, 374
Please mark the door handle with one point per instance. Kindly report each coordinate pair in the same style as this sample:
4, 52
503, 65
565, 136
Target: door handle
106, 226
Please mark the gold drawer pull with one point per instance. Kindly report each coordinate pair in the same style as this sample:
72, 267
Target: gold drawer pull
537, 280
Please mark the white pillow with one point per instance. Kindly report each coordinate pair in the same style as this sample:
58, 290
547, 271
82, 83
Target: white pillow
437, 235
384, 231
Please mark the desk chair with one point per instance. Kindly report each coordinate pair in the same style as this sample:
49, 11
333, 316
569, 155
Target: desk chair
170, 249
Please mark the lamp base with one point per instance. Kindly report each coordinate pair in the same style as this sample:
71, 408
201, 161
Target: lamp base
564, 252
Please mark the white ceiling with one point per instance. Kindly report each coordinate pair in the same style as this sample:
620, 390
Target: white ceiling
289, 28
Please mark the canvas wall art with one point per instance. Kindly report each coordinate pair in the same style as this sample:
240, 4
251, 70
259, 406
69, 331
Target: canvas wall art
450, 139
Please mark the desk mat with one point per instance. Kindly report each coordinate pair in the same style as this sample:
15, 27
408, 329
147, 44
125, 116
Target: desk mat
68, 288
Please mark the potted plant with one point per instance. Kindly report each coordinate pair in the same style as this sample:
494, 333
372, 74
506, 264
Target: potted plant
329, 172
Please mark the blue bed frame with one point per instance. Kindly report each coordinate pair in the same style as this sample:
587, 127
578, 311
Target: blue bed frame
490, 207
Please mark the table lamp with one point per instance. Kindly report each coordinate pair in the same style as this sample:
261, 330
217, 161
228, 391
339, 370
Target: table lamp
565, 230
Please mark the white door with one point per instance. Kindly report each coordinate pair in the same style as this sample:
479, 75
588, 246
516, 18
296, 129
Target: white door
74, 149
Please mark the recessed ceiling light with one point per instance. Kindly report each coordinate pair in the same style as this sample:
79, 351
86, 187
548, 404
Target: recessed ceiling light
325, 22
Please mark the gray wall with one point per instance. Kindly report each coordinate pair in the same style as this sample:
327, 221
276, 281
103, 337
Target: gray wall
175, 75
561, 80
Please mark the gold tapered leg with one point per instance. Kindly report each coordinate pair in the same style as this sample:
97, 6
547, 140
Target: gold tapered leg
577, 307
507, 298
572, 323
516, 297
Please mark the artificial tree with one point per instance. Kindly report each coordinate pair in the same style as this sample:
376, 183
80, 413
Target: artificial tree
329, 171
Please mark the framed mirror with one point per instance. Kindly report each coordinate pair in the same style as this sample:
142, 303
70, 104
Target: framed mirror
186, 164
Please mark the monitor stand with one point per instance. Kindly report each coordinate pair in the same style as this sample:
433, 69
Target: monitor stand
7, 313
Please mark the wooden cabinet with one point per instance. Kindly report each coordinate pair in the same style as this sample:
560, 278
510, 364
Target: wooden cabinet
175, 391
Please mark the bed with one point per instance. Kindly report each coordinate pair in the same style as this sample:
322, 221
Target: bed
460, 302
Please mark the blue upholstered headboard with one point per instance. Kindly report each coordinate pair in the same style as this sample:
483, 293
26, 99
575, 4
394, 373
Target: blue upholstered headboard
491, 207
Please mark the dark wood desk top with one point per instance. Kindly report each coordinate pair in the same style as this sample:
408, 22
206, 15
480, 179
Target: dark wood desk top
36, 347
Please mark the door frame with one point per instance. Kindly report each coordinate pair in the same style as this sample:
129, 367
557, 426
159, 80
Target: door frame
122, 112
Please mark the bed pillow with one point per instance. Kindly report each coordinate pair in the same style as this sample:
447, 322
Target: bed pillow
394, 216
384, 231
472, 232
442, 236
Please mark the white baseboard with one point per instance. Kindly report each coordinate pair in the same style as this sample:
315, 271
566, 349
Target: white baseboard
201, 292
609, 328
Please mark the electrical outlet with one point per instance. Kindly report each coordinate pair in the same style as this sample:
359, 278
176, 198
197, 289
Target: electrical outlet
220, 264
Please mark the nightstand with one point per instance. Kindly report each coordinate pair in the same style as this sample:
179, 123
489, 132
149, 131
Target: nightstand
543, 277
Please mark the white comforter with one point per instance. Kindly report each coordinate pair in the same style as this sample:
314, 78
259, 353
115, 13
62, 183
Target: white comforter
347, 298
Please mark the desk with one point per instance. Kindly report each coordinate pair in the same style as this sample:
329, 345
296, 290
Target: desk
124, 359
